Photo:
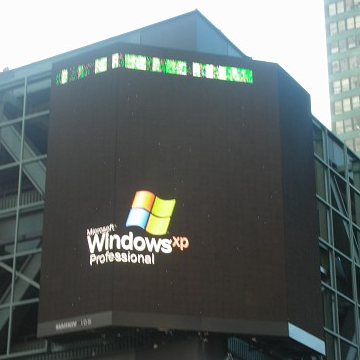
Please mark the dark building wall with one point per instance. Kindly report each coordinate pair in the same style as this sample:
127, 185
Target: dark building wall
300, 214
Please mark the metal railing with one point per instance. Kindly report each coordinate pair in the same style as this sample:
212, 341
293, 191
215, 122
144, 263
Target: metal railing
8, 201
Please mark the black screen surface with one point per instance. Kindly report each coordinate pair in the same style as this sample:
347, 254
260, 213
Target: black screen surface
165, 203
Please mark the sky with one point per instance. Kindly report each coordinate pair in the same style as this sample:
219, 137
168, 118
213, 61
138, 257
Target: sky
288, 32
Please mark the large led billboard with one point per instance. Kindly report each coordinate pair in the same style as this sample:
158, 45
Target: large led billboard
180, 195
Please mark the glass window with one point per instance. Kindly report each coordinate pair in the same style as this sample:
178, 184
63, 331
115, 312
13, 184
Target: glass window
341, 25
358, 281
318, 141
333, 28
331, 347
337, 87
33, 183
9, 179
5, 156
30, 230
325, 261
336, 154
334, 47
341, 233
12, 100
350, 143
357, 144
348, 352
351, 42
355, 102
350, 23
339, 127
354, 171
7, 237
349, 4
4, 315
346, 104
354, 81
25, 317
342, 45
328, 308
346, 319
348, 125
332, 9
355, 206
10, 142
338, 192
356, 242
323, 213
357, 21
340, 7
343, 275
320, 176
345, 84
6, 269
357, 123
38, 96
27, 277
335, 66
344, 64
338, 107
353, 62
36, 134
356, 3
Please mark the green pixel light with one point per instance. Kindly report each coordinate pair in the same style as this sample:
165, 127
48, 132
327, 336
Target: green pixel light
156, 65
219, 72
100, 65
135, 62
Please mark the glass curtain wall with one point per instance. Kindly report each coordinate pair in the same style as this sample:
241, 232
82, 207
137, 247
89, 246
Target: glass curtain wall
338, 201
24, 114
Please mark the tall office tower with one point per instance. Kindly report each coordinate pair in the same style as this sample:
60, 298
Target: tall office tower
343, 53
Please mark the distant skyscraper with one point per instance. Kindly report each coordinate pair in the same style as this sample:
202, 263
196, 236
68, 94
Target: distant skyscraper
343, 53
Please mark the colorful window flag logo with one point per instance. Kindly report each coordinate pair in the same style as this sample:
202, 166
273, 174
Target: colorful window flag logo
150, 212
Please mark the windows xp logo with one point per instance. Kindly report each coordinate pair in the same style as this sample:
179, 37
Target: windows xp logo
150, 212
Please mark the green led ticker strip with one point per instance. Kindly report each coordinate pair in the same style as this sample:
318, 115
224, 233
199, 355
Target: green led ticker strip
219, 72
149, 63
156, 65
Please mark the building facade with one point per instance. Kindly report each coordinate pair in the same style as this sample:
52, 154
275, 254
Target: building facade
24, 126
342, 19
